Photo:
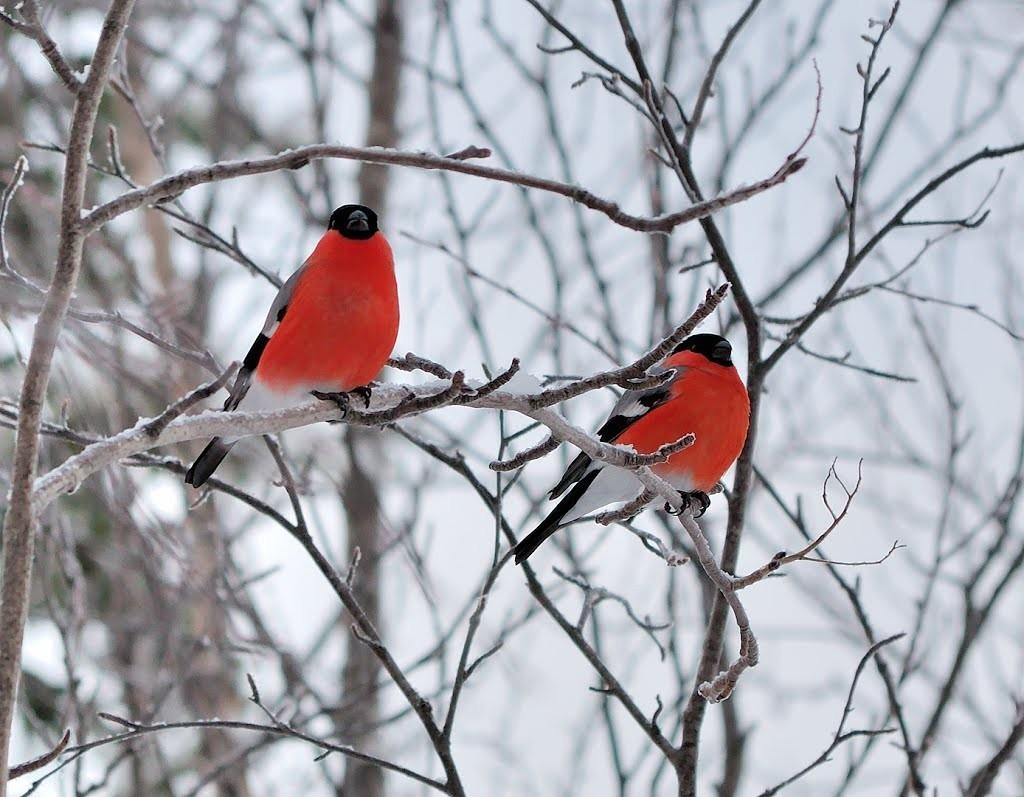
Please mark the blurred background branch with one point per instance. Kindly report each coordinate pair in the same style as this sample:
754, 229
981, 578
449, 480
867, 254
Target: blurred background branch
875, 306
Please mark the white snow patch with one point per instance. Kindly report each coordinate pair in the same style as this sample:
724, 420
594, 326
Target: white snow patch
524, 384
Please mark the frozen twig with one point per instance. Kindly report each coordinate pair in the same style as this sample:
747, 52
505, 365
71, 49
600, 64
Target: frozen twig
158, 424
721, 686
546, 446
635, 374
627, 511
413, 362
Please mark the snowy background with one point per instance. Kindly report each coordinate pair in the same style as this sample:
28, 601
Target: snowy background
942, 453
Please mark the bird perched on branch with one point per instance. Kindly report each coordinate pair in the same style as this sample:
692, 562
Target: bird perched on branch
705, 396
331, 328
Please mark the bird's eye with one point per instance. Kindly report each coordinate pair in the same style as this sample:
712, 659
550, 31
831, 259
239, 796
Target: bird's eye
722, 351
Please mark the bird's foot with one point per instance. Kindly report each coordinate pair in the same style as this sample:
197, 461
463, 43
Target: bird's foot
696, 501
364, 392
343, 401
702, 500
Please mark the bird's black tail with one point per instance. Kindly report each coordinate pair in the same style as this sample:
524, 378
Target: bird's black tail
549, 525
207, 462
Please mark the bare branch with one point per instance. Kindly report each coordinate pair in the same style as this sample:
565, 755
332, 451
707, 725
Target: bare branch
33, 28
840, 736
20, 168
782, 558
982, 781
41, 761
592, 596
174, 185
136, 730
706, 90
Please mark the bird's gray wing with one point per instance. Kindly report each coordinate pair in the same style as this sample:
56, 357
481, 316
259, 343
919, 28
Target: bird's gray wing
278, 308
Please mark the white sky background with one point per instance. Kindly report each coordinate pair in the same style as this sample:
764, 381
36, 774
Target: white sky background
529, 725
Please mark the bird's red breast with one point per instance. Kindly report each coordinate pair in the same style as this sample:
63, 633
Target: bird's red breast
709, 400
342, 321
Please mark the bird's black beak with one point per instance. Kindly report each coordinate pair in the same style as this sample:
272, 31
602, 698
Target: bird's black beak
722, 353
357, 222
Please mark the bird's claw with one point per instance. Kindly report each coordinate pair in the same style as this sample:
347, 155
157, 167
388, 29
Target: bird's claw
343, 401
696, 501
364, 392
702, 499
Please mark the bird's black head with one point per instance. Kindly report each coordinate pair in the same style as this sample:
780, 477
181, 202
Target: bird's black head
714, 347
354, 221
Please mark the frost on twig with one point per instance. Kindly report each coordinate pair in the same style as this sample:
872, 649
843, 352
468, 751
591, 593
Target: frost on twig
626, 511
546, 446
722, 685
157, 425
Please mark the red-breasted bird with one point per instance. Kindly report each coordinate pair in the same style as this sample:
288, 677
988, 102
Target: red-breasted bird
705, 396
331, 327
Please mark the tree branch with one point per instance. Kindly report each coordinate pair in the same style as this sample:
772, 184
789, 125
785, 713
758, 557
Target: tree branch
174, 185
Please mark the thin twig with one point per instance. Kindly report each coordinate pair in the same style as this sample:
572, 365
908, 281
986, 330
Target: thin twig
840, 737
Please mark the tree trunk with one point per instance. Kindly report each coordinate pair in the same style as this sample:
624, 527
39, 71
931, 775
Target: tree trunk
365, 449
